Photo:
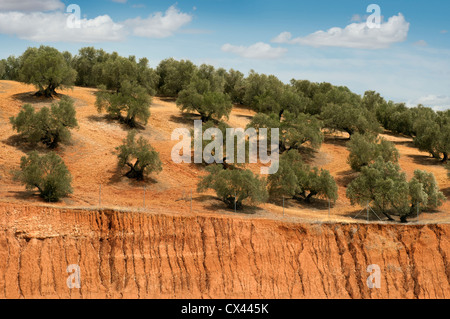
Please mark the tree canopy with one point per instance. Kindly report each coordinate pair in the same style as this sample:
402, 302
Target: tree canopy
384, 186
138, 156
365, 149
47, 173
233, 187
49, 125
47, 69
298, 180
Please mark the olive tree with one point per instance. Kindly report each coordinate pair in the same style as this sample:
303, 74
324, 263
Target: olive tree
233, 187
205, 95
139, 156
47, 69
295, 131
48, 174
298, 180
384, 186
129, 104
365, 149
49, 125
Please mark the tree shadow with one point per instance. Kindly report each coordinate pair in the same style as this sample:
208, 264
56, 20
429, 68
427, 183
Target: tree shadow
20, 143
216, 205
346, 177
446, 192
335, 140
405, 143
167, 99
184, 118
106, 118
247, 117
308, 154
118, 176
361, 215
424, 159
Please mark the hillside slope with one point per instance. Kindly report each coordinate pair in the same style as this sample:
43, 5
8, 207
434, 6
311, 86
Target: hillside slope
92, 162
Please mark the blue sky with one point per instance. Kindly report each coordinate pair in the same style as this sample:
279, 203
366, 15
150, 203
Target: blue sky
407, 59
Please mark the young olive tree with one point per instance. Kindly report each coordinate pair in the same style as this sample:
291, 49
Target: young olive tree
47, 173
138, 156
233, 187
49, 125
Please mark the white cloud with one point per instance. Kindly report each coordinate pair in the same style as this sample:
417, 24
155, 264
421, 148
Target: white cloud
283, 37
258, 50
53, 27
355, 35
437, 102
30, 5
159, 25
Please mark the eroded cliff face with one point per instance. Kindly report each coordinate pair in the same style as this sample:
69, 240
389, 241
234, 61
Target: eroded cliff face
138, 255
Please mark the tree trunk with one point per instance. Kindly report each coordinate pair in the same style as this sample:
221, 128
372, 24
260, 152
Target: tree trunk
310, 195
444, 160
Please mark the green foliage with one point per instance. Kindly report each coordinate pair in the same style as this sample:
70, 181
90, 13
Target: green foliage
365, 149
139, 156
204, 95
235, 86
299, 180
433, 134
234, 186
129, 104
227, 162
88, 64
372, 101
47, 69
47, 173
295, 130
383, 185
49, 126
350, 118
174, 76
2, 69
431, 197
10, 68
317, 94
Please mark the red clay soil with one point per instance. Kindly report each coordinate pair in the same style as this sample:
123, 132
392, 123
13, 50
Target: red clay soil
170, 250
144, 255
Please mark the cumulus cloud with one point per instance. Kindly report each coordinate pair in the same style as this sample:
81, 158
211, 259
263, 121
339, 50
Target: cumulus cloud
30, 5
258, 50
355, 35
159, 25
57, 26
53, 27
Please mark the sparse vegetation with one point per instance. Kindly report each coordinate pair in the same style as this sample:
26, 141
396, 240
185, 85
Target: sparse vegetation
47, 173
48, 125
138, 156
